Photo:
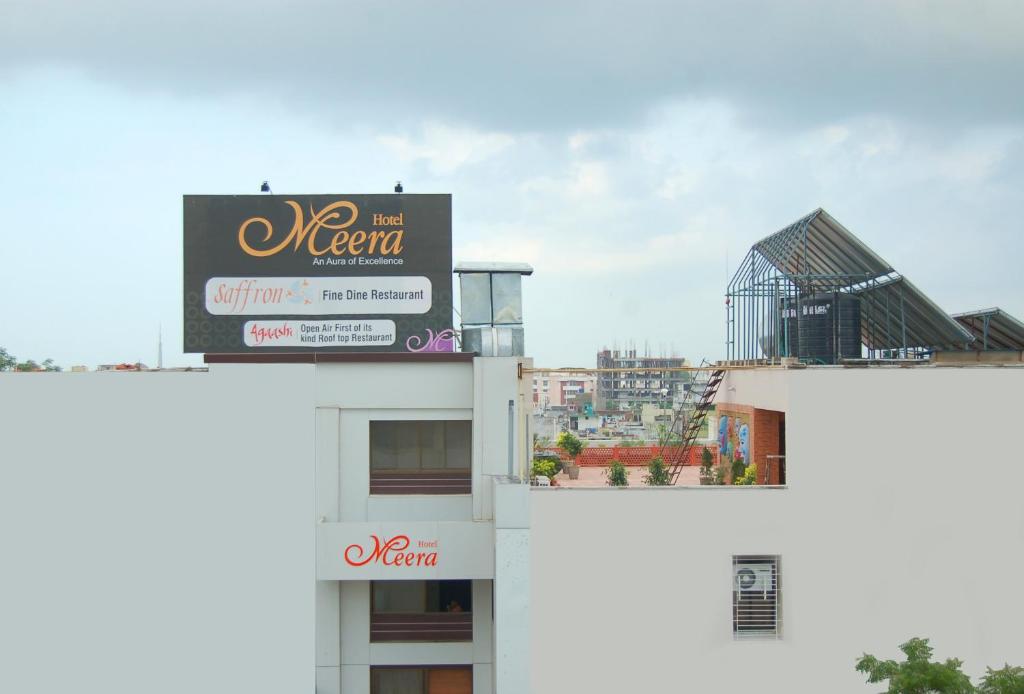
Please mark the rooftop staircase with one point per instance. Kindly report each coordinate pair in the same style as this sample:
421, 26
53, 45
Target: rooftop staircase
694, 411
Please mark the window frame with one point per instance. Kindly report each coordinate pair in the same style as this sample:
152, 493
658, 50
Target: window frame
425, 669
748, 609
443, 480
425, 626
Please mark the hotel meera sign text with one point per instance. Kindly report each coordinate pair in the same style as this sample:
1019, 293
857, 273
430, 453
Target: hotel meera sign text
317, 272
406, 550
393, 551
337, 217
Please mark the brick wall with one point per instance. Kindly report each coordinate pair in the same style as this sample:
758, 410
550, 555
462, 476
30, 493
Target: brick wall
765, 442
632, 456
764, 438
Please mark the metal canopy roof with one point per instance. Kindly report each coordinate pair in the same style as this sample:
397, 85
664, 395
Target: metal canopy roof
818, 245
817, 253
895, 313
993, 329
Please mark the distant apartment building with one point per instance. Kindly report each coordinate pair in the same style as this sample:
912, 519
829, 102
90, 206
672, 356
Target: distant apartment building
638, 380
569, 391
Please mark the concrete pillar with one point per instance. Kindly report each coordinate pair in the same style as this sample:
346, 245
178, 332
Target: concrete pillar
328, 593
483, 637
355, 636
511, 588
328, 637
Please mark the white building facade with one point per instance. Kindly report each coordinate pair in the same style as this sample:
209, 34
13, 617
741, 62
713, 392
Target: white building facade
307, 523
245, 529
405, 457
901, 517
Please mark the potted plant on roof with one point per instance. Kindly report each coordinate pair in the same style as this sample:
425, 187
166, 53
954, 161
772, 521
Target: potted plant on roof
569, 444
658, 474
707, 469
543, 467
616, 474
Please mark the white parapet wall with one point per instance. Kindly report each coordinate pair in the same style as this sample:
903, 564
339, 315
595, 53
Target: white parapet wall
157, 531
901, 517
160, 528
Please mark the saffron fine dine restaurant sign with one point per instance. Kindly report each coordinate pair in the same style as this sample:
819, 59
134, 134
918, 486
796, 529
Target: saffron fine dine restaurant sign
296, 273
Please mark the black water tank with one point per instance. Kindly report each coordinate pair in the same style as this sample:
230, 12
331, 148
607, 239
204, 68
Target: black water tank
821, 328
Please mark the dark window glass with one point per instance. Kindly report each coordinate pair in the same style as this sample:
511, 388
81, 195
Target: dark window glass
425, 680
420, 457
420, 445
421, 611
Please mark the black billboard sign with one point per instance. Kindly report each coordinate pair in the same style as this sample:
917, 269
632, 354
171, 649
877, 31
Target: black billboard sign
294, 273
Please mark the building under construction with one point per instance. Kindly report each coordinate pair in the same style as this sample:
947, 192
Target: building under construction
634, 380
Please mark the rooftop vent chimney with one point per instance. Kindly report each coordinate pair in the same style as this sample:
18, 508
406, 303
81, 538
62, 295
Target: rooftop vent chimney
492, 308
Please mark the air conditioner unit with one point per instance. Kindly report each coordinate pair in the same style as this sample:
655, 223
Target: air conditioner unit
753, 578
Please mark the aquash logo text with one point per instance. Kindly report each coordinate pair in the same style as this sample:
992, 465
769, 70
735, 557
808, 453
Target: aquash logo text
259, 334
337, 217
391, 552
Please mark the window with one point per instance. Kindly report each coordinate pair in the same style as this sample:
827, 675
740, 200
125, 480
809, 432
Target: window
420, 457
421, 680
421, 611
756, 589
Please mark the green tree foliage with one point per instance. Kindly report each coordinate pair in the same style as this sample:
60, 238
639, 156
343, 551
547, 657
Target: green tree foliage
1008, 680
708, 473
657, 474
737, 469
616, 474
917, 674
707, 458
568, 442
544, 467
551, 458
720, 475
7, 361
748, 477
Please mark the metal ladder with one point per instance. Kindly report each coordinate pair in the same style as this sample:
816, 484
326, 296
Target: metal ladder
696, 420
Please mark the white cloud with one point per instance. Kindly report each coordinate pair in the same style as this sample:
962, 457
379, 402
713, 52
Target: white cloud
624, 225
445, 148
835, 134
678, 183
569, 253
883, 152
582, 179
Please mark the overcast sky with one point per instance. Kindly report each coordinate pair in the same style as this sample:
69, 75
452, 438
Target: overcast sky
632, 152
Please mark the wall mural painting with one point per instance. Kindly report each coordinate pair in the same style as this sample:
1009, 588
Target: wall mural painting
734, 437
